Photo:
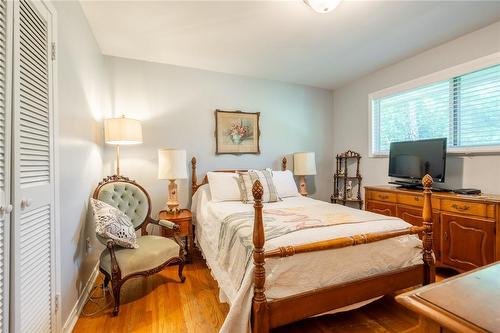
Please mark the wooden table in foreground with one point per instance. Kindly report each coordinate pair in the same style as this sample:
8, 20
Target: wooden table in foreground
469, 302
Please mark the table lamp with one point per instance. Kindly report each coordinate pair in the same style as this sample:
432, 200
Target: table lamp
172, 166
304, 164
122, 131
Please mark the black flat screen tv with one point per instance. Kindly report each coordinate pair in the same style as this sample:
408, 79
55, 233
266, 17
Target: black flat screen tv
413, 159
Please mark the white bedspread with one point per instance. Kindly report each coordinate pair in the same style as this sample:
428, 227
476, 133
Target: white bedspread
302, 272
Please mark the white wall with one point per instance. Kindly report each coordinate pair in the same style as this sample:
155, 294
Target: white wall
82, 99
350, 121
177, 107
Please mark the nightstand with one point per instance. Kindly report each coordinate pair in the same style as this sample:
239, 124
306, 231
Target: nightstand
184, 220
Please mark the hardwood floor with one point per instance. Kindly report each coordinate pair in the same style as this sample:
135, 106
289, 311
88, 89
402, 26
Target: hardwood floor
160, 303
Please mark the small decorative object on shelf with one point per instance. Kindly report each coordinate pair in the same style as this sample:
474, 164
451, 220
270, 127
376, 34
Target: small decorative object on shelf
347, 188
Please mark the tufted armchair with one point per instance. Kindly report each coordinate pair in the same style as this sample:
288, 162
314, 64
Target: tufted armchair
154, 253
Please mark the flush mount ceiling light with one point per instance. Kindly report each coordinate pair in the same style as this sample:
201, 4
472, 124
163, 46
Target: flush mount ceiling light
323, 6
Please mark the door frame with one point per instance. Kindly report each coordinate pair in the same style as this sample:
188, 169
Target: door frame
56, 232
55, 141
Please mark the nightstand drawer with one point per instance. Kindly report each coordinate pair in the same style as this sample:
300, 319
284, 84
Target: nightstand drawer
185, 227
183, 219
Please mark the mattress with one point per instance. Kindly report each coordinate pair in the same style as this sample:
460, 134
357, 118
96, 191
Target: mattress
302, 272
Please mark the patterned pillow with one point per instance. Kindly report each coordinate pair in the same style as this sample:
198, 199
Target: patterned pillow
112, 223
247, 179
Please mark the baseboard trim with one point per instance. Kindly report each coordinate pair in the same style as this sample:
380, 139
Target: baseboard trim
77, 309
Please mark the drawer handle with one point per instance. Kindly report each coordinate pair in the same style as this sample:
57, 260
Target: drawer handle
445, 235
460, 208
416, 198
383, 197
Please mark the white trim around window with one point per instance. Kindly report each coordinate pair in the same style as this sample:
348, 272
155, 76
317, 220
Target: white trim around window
446, 74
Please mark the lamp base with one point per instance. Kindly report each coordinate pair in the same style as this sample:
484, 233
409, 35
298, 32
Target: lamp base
173, 208
173, 201
303, 186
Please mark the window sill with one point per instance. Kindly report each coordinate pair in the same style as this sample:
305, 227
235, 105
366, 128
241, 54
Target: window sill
473, 151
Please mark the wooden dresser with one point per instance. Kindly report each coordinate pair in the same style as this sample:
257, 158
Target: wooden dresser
465, 227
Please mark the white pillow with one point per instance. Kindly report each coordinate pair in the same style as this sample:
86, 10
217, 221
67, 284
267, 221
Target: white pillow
224, 186
247, 179
112, 223
285, 184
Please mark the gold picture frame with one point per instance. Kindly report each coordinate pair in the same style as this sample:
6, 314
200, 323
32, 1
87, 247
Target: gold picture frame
237, 132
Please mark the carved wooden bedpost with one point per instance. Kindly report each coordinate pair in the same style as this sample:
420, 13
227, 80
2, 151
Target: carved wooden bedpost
428, 255
194, 181
260, 317
283, 163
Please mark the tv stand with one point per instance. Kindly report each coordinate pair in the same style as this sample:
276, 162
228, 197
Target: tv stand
466, 227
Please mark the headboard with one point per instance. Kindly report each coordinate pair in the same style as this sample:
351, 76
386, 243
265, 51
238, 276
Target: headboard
194, 179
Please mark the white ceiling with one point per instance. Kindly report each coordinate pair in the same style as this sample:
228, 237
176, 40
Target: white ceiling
282, 40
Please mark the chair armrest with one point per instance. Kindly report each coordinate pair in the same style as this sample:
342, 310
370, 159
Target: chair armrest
172, 226
166, 224
110, 244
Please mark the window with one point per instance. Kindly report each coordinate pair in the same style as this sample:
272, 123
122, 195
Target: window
465, 109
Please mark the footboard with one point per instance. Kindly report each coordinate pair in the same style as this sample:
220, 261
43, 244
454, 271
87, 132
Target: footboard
268, 315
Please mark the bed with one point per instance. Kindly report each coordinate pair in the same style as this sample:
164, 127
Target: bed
355, 259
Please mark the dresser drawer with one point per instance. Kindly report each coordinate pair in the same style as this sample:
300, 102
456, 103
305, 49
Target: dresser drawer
382, 196
414, 216
464, 207
381, 208
411, 199
410, 215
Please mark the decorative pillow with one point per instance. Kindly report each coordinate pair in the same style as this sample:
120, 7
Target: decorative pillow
247, 179
223, 186
285, 184
112, 223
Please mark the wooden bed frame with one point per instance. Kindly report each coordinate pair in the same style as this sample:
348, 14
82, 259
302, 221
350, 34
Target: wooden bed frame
270, 314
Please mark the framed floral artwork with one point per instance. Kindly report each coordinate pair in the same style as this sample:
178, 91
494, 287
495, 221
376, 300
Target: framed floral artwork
237, 132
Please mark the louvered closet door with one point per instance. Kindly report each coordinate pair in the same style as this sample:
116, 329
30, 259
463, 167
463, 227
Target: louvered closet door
33, 171
5, 158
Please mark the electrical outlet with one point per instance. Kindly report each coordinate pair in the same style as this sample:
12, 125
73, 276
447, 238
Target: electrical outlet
88, 246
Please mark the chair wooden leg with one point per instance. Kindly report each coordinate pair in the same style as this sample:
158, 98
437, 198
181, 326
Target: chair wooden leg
106, 282
116, 295
181, 268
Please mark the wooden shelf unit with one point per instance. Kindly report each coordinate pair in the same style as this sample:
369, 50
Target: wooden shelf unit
465, 226
340, 179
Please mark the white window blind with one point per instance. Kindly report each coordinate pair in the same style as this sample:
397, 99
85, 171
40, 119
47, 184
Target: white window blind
465, 109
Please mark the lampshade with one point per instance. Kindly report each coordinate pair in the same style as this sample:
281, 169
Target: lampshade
172, 164
122, 131
322, 6
304, 164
